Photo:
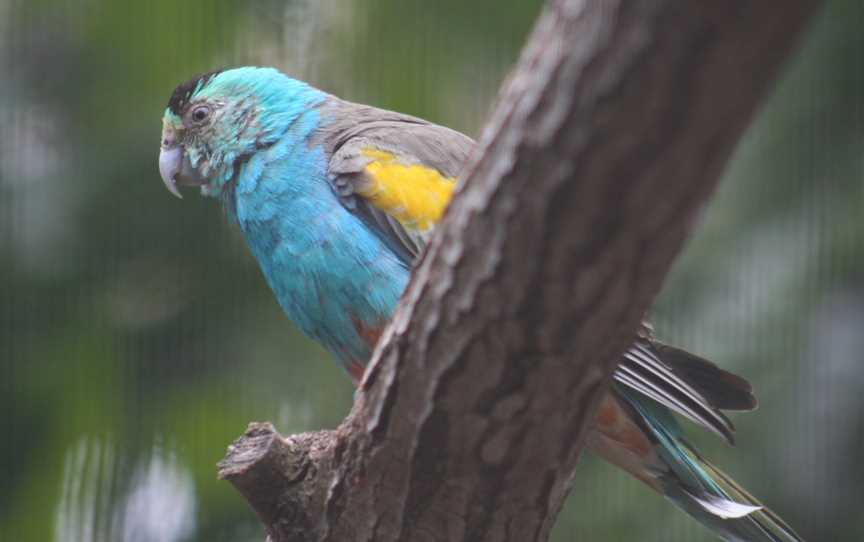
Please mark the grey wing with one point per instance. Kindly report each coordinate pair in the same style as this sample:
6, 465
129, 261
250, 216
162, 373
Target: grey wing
680, 381
355, 128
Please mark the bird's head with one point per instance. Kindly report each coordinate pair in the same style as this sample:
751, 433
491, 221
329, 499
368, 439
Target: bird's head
216, 121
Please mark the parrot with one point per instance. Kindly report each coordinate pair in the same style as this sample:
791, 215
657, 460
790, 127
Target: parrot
336, 201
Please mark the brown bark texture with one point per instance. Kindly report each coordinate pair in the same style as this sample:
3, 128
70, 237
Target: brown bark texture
607, 140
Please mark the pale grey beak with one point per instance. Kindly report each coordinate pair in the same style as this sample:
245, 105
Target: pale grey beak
176, 170
170, 164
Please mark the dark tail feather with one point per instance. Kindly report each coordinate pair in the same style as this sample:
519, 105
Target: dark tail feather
723, 389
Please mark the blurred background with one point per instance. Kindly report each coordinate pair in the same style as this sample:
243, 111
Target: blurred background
137, 337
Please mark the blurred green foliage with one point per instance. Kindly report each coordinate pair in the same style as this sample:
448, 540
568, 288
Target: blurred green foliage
137, 337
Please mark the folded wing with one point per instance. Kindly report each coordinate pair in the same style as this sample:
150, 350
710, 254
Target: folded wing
398, 173
394, 171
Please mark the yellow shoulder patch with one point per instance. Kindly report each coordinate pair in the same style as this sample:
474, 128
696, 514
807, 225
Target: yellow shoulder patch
414, 195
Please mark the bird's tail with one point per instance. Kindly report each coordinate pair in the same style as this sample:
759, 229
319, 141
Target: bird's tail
702, 490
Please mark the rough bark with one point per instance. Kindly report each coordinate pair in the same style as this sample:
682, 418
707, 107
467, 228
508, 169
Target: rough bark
607, 140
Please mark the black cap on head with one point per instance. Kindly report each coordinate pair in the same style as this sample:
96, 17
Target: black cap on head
181, 95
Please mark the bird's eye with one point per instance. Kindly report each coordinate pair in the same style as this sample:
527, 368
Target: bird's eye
200, 113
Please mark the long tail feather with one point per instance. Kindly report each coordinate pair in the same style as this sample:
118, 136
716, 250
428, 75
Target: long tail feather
765, 519
698, 487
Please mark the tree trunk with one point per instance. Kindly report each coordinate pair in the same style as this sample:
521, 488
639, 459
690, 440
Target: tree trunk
607, 140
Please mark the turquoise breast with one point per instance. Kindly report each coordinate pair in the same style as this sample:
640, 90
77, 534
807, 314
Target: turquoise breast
332, 275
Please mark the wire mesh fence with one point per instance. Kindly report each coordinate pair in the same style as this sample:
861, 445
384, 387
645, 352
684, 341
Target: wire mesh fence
137, 336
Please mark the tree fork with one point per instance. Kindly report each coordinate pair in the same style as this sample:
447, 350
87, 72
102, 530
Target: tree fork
607, 140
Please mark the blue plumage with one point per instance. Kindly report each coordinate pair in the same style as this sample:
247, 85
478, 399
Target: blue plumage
330, 274
291, 164
326, 269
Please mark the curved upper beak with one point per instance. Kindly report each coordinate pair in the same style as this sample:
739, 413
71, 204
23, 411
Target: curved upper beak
170, 164
174, 165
